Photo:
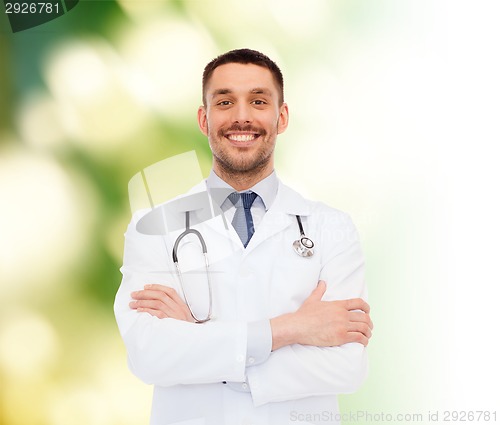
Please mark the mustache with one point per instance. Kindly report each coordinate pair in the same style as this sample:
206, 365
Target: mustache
243, 128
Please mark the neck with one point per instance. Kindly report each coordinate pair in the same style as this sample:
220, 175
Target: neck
242, 180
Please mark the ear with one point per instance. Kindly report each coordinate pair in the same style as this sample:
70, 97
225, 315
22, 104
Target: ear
283, 118
202, 120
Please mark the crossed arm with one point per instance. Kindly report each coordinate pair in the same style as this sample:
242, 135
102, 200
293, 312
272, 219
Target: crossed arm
316, 323
321, 341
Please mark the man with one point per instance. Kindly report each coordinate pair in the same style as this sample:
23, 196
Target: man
289, 332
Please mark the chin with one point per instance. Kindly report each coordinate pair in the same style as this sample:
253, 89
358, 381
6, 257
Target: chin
244, 166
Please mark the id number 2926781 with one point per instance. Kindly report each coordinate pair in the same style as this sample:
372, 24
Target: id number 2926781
31, 8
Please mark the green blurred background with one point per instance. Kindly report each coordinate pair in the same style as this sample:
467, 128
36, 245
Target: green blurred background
394, 116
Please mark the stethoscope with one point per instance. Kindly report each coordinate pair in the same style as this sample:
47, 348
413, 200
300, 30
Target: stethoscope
175, 258
302, 246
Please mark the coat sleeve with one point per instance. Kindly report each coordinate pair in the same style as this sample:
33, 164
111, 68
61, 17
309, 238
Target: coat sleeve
167, 352
298, 371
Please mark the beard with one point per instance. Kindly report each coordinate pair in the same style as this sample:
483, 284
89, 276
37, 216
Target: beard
240, 161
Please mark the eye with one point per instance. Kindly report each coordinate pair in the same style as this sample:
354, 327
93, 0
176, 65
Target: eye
224, 103
259, 102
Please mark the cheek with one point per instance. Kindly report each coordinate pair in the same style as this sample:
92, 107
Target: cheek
213, 123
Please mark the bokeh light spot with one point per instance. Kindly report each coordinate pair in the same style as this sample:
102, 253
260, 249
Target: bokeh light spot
28, 345
44, 221
87, 80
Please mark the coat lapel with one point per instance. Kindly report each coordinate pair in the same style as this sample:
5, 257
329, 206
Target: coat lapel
280, 216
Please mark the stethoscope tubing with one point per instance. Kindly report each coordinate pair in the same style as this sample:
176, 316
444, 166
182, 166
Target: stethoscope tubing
175, 258
303, 247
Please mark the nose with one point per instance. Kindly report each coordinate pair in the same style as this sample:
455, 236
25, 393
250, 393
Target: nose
242, 114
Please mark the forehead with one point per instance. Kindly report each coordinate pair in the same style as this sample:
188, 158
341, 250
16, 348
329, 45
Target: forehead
238, 77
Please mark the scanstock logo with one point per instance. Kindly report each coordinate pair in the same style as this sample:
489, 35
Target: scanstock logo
27, 14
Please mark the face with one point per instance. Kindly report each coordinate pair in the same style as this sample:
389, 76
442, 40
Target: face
242, 118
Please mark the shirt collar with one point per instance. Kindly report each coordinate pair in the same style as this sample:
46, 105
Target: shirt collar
266, 188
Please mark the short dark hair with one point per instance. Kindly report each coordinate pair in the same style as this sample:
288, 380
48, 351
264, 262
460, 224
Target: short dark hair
244, 56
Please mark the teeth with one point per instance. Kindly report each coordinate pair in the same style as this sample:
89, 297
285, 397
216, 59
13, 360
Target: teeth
241, 137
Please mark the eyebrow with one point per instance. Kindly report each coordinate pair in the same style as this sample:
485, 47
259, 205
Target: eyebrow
221, 91
258, 90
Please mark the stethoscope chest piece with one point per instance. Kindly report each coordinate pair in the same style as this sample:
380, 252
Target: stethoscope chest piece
303, 246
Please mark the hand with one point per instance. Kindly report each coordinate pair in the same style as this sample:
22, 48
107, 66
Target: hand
324, 323
161, 301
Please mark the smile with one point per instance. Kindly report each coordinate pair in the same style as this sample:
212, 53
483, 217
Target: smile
242, 137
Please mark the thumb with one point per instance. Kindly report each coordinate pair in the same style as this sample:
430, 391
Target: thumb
318, 292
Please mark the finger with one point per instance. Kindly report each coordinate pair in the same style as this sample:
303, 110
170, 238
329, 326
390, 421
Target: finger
360, 327
161, 310
168, 290
154, 287
173, 310
358, 337
150, 294
158, 287
173, 295
156, 313
358, 316
318, 292
150, 304
158, 300
357, 304
145, 294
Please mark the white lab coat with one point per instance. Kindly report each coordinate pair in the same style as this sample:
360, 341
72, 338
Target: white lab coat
188, 362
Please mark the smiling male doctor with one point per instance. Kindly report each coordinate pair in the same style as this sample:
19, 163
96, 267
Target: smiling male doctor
289, 333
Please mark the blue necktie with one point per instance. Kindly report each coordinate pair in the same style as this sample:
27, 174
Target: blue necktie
242, 220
